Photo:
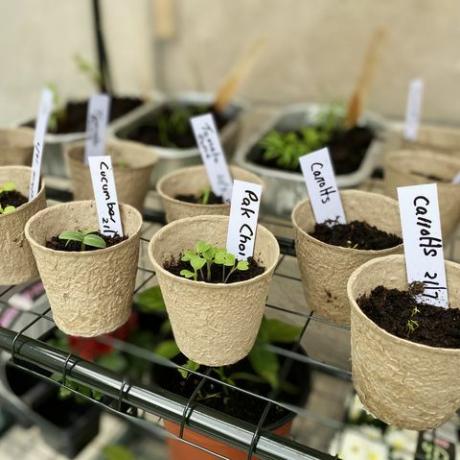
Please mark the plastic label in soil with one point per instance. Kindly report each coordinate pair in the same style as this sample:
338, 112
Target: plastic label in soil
322, 187
413, 109
96, 125
423, 245
105, 193
212, 153
44, 109
244, 214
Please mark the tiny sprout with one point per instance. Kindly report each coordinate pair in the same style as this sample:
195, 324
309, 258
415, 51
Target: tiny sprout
85, 238
412, 325
8, 187
7, 210
204, 199
204, 254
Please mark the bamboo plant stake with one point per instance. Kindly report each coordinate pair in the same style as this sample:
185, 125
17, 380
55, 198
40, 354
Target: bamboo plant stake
237, 75
358, 98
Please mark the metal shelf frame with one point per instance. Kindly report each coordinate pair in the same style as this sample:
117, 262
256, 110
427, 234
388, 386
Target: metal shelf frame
156, 401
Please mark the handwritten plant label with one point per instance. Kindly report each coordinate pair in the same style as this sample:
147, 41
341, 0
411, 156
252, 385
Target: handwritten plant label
244, 214
322, 187
106, 195
423, 246
413, 109
212, 153
96, 125
44, 109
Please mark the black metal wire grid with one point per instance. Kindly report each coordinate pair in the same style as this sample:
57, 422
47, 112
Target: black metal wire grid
164, 405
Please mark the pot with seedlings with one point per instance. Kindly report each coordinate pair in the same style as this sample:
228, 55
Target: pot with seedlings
18, 264
16, 146
215, 302
88, 276
132, 166
408, 167
336, 233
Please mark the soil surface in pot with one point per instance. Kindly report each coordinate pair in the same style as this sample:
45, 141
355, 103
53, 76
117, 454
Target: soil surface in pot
212, 198
72, 246
170, 126
74, 114
218, 272
13, 198
430, 177
356, 234
347, 150
399, 314
236, 403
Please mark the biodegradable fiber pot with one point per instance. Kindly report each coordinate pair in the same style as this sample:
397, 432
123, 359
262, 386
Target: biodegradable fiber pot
17, 264
400, 170
16, 146
213, 324
325, 268
403, 383
193, 180
132, 176
90, 293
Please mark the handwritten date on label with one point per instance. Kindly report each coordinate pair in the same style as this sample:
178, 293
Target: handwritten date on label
106, 195
322, 187
212, 154
96, 125
244, 214
423, 245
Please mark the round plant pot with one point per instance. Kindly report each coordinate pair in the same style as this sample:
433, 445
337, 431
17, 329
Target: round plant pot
400, 170
90, 292
132, 179
17, 261
325, 268
213, 324
16, 146
192, 181
403, 383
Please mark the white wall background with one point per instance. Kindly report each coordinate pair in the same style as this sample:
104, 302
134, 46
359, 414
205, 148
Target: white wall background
314, 49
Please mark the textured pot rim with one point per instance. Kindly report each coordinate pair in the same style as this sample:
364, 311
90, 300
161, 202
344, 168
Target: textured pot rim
25, 206
375, 327
192, 169
340, 249
100, 252
391, 162
153, 160
167, 228
19, 130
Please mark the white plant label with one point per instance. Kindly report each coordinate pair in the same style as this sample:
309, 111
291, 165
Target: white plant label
96, 125
423, 246
105, 193
322, 187
44, 109
413, 109
212, 153
244, 214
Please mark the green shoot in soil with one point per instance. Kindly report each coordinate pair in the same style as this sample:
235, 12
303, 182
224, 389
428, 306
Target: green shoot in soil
86, 238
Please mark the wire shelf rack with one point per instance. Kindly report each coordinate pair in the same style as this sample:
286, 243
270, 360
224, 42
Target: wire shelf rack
327, 353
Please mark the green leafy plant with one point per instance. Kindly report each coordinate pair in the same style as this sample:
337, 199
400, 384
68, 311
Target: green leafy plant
59, 109
85, 238
205, 255
88, 69
7, 187
285, 148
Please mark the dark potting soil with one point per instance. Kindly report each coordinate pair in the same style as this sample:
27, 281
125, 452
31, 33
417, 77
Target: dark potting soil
162, 130
394, 311
233, 402
13, 198
430, 177
74, 120
217, 271
62, 245
347, 150
212, 199
356, 235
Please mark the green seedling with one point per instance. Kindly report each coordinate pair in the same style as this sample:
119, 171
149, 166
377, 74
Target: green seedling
89, 70
285, 148
204, 197
207, 255
85, 238
7, 187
